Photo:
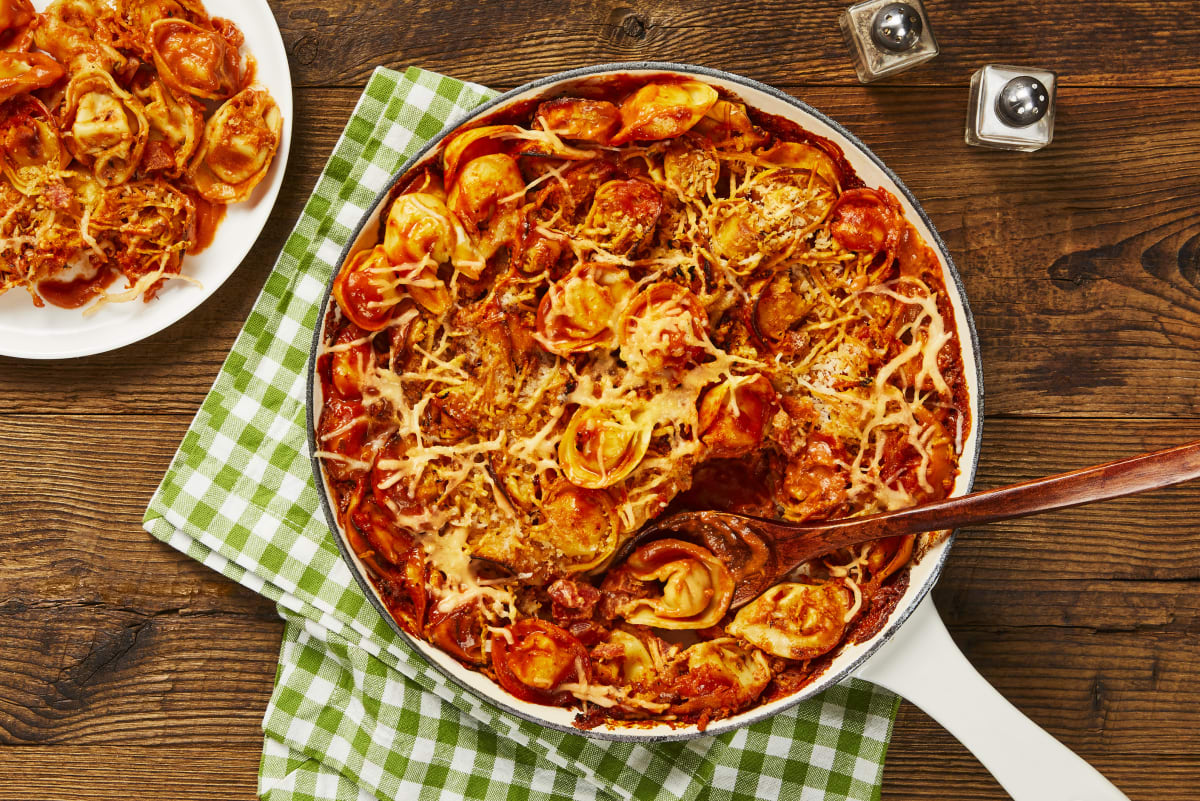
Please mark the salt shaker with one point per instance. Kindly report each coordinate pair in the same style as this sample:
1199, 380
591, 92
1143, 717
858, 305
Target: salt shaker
1011, 108
886, 37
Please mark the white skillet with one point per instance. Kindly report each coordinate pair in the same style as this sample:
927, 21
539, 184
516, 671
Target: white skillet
913, 654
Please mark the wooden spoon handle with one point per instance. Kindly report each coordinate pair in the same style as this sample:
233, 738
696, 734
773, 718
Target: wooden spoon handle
1147, 471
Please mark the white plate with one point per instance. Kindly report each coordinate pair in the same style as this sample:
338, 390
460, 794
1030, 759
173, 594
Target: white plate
53, 333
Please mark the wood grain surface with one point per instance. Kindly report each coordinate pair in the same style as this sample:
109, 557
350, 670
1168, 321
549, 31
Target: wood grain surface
127, 670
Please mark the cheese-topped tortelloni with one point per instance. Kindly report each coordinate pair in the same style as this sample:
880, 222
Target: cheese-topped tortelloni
602, 445
484, 187
867, 220
193, 59
623, 214
16, 25
78, 34
690, 166
734, 415
580, 119
728, 124
30, 144
696, 587
105, 127
796, 621
420, 227
629, 658
578, 312
770, 215
21, 73
239, 144
663, 111
176, 126
663, 326
579, 525
471, 144
141, 14
533, 659
721, 674
367, 289
806, 158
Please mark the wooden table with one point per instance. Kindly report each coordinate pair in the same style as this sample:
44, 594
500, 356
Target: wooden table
127, 670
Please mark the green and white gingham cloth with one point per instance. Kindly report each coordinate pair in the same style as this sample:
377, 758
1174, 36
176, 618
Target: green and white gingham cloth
356, 714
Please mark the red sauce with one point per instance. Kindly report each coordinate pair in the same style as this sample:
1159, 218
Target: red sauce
249, 73
208, 217
78, 291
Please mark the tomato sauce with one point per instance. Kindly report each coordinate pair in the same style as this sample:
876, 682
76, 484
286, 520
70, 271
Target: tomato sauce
208, 218
77, 292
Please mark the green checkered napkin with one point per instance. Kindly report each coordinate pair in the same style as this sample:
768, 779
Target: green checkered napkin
355, 713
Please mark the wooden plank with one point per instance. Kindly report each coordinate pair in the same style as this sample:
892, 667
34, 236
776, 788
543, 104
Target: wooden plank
88, 674
925, 762
73, 523
193, 772
789, 44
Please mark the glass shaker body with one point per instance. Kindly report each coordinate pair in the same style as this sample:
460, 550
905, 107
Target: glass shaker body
876, 56
987, 123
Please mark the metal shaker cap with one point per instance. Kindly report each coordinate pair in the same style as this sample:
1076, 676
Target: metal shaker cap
896, 27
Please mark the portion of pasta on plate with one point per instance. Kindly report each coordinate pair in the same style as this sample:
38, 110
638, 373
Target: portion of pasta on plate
593, 311
126, 127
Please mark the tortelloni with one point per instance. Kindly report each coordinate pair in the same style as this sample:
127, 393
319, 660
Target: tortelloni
663, 110
578, 313
735, 413
663, 327
630, 658
419, 226
105, 127
624, 214
141, 14
193, 59
580, 526
16, 25
580, 119
696, 586
367, 291
772, 215
79, 34
176, 126
21, 73
796, 621
31, 147
721, 675
471, 144
239, 144
533, 659
602, 445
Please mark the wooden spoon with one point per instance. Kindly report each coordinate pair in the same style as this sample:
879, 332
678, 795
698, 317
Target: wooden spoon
760, 551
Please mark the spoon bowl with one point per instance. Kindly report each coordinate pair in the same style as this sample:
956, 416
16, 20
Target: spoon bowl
760, 552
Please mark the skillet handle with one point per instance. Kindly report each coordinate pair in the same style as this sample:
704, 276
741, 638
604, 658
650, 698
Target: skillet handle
921, 663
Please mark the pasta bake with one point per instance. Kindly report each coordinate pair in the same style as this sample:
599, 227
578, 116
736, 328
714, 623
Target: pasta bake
126, 127
592, 311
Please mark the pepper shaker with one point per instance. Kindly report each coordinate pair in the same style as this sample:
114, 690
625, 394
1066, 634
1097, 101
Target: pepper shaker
1011, 108
887, 36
